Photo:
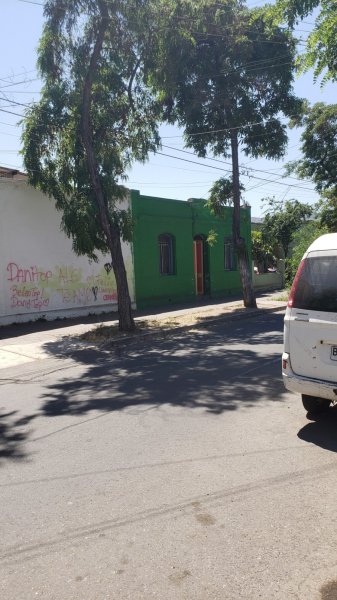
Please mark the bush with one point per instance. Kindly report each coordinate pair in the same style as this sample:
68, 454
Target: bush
305, 236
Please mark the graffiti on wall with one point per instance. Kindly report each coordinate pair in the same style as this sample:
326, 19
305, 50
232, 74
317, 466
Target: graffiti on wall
32, 288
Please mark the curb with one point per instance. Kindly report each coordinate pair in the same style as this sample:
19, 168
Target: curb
74, 346
245, 314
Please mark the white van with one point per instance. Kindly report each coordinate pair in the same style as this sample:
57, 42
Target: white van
309, 360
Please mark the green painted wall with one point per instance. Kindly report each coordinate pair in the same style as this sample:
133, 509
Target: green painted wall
155, 216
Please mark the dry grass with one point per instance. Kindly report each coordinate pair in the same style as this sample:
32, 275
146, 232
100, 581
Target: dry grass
283, 296
105, 333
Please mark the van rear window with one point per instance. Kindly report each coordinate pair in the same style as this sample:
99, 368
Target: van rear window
317, 285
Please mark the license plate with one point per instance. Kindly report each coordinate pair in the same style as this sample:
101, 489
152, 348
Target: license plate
333, 354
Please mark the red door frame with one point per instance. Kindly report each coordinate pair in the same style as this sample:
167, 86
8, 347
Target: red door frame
198, 245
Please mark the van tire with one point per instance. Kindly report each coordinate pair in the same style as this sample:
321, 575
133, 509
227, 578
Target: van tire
315, 405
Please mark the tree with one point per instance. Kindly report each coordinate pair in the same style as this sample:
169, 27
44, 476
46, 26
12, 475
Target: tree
319, 145
328, 211
227, 78
321, 50
302, 239
281, 223
94, 117
220, 195
319, 148
263, 252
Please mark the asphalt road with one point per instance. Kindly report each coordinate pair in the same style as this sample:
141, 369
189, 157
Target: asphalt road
179, 470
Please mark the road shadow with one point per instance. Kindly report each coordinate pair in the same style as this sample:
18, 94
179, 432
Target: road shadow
82, 351
214, 368
12, 436
322, 431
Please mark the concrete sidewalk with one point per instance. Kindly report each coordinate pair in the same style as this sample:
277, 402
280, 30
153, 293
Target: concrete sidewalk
26, 343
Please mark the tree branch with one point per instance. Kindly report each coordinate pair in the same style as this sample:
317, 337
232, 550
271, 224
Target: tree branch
86, 126
133, 75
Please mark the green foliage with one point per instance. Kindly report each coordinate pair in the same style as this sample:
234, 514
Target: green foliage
302, 239
224, 68
282, 221
293, 10
220, 195
321, 51
263, 252
123, 114
212, 237
226, 74
319, 148
328, 211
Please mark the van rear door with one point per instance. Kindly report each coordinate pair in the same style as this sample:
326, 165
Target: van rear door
313, 318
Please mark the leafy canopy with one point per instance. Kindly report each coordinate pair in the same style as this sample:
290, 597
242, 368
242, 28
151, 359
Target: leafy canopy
319, 148
302, 239
319, 145
226, 67
226, 74
221, 195
123, 112
321, 49
263, 252
282, 220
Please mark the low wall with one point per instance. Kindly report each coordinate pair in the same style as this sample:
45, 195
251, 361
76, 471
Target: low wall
270, 281
40, 276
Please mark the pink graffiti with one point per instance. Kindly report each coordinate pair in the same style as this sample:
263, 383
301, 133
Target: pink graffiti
109, 297
30, 275
28, 299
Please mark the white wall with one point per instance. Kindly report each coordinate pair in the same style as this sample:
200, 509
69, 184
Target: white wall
270, 281
40, 276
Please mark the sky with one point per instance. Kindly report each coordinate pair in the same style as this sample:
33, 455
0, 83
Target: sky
162, 176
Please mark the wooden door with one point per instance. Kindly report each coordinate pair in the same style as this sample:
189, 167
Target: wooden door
199, 267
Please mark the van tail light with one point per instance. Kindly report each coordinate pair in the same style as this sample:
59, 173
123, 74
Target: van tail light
285, 361
295, 283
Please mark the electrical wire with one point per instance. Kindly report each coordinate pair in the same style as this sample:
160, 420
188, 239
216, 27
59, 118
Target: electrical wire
229, 163
212, 131
229, 171
12, 75
200, 164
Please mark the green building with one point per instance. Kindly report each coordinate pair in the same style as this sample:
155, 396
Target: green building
173, 262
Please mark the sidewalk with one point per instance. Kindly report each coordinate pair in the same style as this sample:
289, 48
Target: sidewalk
24, 343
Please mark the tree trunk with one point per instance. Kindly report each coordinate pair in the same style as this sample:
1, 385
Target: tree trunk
239, 242
126, 322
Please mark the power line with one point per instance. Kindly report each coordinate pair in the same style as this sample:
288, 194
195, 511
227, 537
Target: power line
13, 84
9, 124
226, 162
10, 134
23, 91
24, 104
229, 171
224, 130
11, 113
198, 163
223, 28
31, 2
12, 75
227, 129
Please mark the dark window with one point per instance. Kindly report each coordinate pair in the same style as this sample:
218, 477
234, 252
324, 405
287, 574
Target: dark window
229, 255
166, 258
317, 284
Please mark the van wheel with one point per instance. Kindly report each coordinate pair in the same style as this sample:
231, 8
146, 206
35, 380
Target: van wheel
315, 405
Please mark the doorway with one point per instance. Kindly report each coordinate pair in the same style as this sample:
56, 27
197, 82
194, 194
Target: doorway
199, 264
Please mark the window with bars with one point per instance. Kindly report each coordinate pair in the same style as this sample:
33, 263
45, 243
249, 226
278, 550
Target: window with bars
229, 255
166, 254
